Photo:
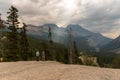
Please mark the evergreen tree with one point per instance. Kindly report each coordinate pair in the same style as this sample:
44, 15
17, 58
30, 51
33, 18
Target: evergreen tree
12, 45
24, 45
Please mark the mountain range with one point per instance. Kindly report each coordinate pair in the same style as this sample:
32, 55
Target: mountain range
84, 38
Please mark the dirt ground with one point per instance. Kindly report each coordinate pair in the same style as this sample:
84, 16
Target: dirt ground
49, 70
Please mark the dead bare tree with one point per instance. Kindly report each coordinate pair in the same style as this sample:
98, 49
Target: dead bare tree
50, 35
70, 50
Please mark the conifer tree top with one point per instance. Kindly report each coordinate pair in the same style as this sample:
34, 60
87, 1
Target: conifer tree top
13, 18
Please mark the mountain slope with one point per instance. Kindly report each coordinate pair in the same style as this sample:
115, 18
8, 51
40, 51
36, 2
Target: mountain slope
113, 46
97, 40
60, 35
77, 30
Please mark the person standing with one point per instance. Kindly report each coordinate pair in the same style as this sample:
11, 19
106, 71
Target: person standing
37, 56
43, 55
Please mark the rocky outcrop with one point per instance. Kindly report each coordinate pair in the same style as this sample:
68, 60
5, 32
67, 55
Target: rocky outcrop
88, 60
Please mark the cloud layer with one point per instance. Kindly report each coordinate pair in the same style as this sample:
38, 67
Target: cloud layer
102, 16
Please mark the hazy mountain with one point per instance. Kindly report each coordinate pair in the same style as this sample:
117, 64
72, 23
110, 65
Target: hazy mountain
97, 40
42, 32
77, 30
93, 39
113, 46
82, 36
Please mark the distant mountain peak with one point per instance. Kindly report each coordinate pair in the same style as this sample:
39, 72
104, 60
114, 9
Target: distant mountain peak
117, 40
74, 26
50, 25
118, 37
113, 46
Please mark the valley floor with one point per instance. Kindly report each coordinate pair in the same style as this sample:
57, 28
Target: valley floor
49, 70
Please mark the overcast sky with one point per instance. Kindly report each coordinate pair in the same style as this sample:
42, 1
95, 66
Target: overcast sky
101, 16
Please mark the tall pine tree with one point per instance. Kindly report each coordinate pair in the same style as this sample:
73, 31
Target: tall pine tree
12, 45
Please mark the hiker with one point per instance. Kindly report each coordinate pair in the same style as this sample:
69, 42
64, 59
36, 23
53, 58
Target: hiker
1, 57
43, 55
37, 56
